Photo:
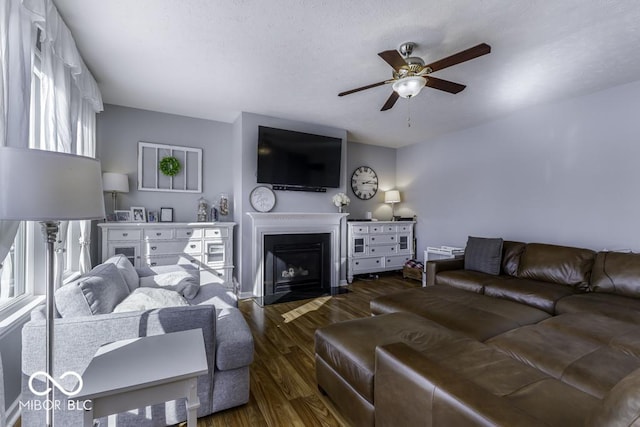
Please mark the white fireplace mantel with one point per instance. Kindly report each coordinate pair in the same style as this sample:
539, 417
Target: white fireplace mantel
296, 223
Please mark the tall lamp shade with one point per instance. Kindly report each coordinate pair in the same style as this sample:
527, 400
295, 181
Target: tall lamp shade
115, 183
393, 197
49, 187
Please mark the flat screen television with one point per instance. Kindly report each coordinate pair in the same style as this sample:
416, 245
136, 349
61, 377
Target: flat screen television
298, 159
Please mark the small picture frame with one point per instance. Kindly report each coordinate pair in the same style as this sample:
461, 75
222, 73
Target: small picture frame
152, 216
166, 214
123, 216
111, 217
138, 214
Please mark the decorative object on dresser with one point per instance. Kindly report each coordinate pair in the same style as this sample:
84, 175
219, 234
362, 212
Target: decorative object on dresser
115, 183
393, 197
378, 246
49, 187
172, 168
152, 216
138, 214
166, 214
208, 246
223, 204
203, 208
364, 182
123, 216
262, 199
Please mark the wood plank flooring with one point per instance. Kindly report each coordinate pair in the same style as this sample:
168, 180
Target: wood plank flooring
283, 385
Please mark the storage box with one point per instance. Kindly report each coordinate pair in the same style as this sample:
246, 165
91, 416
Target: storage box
412, 270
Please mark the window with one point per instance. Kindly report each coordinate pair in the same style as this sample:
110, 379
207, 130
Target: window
13, 284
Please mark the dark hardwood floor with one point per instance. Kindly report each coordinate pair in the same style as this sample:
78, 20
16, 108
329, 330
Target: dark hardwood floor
283, 386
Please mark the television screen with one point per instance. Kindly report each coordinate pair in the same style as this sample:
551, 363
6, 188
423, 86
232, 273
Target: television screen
299, 159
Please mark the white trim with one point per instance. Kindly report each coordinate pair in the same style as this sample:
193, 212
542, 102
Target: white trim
23, 308
13, 412
294, 223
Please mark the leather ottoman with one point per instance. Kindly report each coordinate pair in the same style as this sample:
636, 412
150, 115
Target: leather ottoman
345, 356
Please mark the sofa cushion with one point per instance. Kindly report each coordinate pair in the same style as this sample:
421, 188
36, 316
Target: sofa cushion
215, 294
127, 270
483, 254
615, 306
97, 292
467, 280
616, 273
183, 282
474, 315
541, 295
143, 299
511, 252
588, 351
557, 264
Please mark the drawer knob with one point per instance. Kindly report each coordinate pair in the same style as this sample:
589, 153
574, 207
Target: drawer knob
153, 264
373, 250
159, 234
153, 248
193, 261
125, 234
357, 263
377, 261
192, 246
373, 238
188, 233
392, 237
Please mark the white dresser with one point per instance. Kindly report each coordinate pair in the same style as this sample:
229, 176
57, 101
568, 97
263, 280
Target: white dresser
207, 245
376, 246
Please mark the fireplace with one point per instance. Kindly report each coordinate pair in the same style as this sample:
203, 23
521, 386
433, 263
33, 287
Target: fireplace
297, 263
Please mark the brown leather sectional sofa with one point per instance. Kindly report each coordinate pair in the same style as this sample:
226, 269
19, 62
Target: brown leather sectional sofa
553, 340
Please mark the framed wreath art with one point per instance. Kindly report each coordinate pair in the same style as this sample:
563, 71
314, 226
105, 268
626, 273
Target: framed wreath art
173, 168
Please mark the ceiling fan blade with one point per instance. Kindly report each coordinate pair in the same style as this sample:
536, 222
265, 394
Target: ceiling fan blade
349, 92
391, 101
393, 58
456, 58
444, 85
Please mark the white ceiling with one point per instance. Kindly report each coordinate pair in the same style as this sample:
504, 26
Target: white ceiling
213, 59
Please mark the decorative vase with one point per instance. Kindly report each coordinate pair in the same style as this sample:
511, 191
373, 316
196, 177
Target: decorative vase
339, 209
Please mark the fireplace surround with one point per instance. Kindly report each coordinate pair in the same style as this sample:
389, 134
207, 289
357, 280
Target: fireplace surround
297, 223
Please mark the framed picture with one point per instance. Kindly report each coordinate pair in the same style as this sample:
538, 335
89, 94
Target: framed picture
166, 214
152, 216
138, 214
111, 217
123, 216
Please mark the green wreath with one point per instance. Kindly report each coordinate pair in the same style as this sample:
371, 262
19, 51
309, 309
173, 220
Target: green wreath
170, 166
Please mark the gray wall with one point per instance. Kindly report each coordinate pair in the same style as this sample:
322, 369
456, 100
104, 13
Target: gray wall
383, 161
565, 173
245, 157
119, 129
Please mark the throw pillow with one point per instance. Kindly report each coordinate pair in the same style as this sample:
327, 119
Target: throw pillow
143, 299
183, 282
127, 270
483, 254
97, 292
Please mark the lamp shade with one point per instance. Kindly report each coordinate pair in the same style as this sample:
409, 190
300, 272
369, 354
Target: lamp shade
117, 182
392, 196
409, 86
37, 185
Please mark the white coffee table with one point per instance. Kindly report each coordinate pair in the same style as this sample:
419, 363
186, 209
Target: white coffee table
134, 373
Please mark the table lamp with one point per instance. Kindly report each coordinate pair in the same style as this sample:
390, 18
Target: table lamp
115, 183
49, 187
393, 197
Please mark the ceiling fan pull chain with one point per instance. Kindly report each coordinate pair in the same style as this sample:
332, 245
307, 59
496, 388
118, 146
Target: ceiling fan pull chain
409, 112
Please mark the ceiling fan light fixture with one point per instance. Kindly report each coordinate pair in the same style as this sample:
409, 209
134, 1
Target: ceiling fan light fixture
408, 87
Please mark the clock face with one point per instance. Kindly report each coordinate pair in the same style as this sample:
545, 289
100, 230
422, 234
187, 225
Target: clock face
364, 183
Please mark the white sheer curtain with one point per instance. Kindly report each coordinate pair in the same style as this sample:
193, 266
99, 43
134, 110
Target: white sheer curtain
69, 101
15, 75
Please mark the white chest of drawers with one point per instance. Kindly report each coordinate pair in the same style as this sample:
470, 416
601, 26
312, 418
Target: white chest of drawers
376, 246
207, 245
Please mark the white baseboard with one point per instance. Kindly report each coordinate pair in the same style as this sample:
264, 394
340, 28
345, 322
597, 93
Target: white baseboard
245, 295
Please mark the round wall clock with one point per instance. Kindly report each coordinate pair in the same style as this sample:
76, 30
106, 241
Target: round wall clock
364, 182
262, 199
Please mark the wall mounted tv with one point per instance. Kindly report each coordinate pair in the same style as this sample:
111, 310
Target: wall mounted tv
298, 160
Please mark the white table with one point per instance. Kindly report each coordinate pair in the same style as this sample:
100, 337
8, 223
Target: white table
134, 373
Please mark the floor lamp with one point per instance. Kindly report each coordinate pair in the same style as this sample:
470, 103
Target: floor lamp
49, 187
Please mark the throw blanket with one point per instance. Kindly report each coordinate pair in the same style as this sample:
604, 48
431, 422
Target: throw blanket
182, 282
142, 299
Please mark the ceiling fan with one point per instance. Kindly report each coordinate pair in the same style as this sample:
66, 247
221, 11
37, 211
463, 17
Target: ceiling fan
410, 74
